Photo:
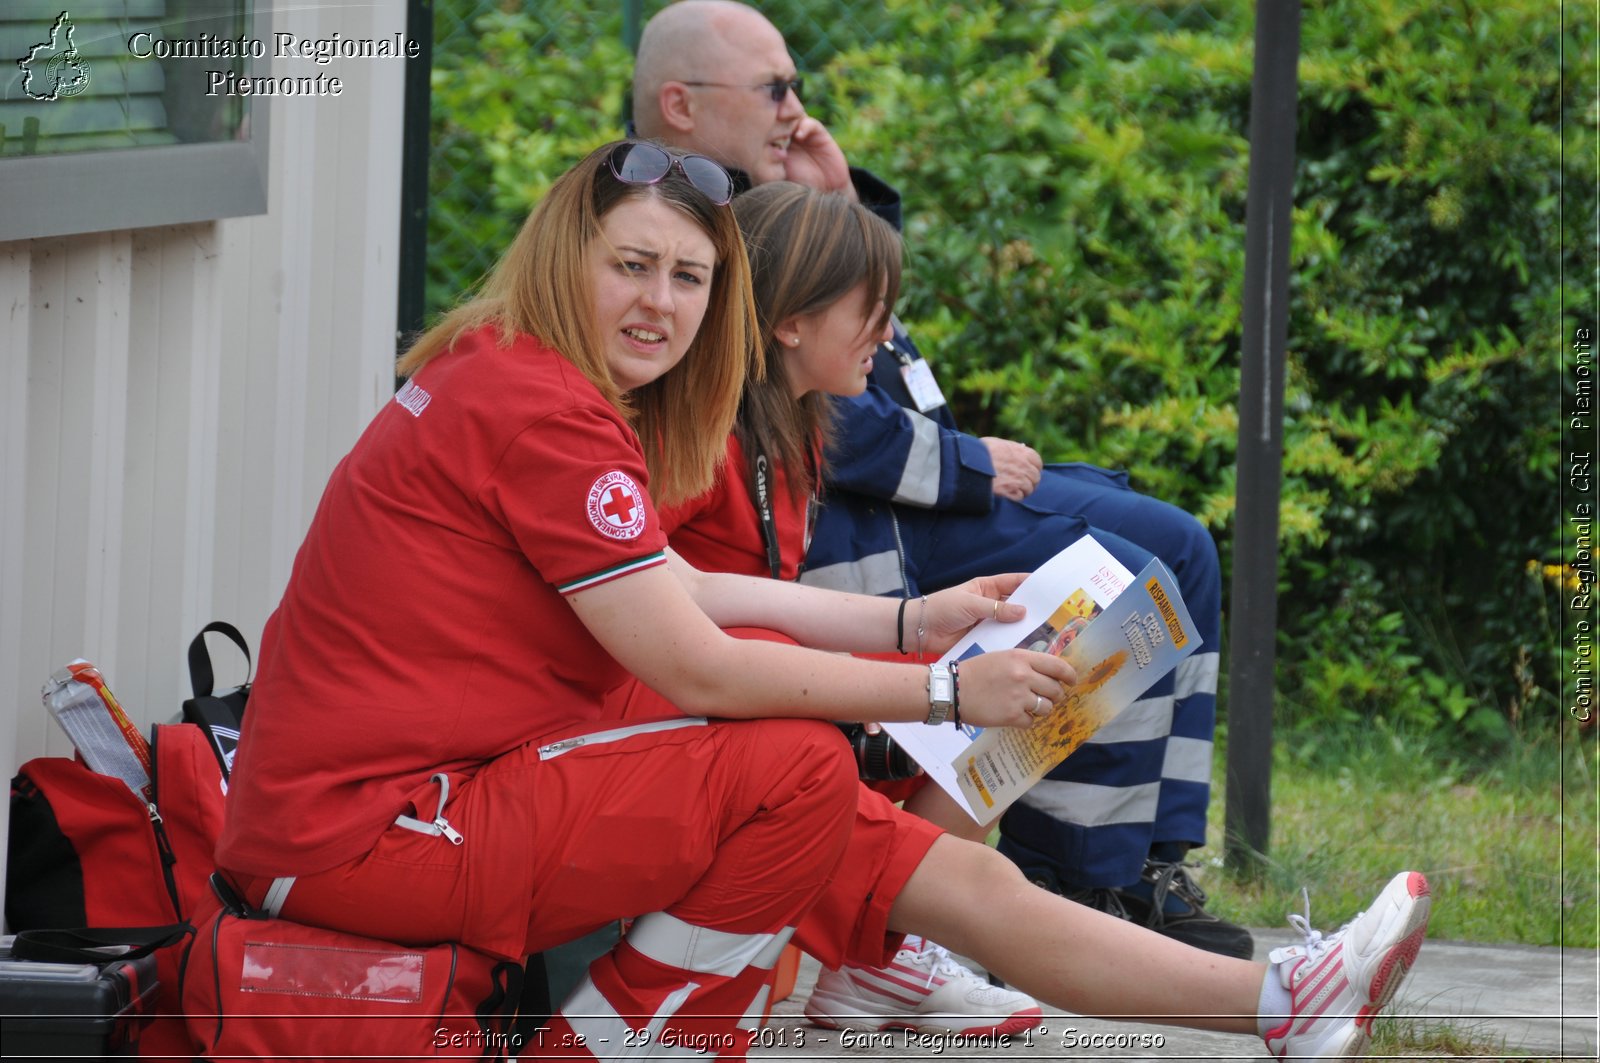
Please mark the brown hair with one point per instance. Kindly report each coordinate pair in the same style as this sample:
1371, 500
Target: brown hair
808, 249
541, 287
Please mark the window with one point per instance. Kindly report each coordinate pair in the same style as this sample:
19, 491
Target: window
118, 114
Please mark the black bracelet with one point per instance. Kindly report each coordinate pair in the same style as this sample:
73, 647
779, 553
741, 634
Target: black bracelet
900, 628
955, 693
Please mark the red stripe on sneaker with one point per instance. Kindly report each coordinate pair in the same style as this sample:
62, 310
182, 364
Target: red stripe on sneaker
884, 994
1322, 1005
1327, 968
876, 982
912, 979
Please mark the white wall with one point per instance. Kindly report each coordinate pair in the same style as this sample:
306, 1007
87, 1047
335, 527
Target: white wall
172, 400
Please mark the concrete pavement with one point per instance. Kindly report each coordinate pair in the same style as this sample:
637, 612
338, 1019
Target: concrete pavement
1510, 1001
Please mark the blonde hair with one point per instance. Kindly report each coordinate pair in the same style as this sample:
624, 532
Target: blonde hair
808, 249
541, 287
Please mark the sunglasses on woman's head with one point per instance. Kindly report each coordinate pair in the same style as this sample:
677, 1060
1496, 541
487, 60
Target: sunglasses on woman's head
646, 164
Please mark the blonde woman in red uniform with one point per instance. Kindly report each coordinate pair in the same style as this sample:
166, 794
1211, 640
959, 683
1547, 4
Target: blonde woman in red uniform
433, 750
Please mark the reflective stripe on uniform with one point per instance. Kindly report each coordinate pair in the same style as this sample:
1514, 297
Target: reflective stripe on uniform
1141, 721
1188, 759
756, 1014
1195, 674
277, 893
1088, 805
919, 479
874, 574
671, 941
609, 1036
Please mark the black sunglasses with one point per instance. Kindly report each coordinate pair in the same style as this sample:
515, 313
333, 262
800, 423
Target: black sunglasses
778, 88
646, 164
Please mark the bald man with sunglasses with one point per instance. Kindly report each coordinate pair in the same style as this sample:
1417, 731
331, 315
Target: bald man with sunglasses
915, 505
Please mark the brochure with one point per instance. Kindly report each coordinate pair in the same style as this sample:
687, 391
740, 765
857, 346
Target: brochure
1120, 633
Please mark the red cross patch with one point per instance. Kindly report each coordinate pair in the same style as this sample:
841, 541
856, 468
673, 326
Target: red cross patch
616, 506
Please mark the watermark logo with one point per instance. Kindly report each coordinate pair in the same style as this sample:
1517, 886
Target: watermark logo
54, 69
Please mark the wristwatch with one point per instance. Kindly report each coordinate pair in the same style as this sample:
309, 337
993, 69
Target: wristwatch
941, 693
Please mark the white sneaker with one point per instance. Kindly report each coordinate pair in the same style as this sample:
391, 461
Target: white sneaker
924, 990
1338, 984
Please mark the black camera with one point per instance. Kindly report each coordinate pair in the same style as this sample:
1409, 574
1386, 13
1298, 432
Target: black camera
877, 755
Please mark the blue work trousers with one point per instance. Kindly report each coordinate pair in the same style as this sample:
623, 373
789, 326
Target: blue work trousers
1145, 777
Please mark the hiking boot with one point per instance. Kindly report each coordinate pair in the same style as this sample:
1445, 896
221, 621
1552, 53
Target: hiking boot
1101, 900
1176, 908
1337, 984
924, 990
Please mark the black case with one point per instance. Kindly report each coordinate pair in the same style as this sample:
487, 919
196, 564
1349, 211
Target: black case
46, 1016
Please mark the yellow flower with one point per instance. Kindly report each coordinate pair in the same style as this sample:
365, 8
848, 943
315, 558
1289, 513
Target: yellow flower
1564, 577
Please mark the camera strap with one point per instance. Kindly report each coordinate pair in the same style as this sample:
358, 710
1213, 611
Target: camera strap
758, 477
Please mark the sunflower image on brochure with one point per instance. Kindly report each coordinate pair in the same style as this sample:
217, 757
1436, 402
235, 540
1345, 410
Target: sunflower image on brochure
1120, 631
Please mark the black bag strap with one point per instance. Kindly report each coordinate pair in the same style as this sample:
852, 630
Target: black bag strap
201, 676
221, 718
497, 1012
233, 901
158, 826
81, 944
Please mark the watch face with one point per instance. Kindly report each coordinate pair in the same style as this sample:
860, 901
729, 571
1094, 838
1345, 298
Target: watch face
941, 692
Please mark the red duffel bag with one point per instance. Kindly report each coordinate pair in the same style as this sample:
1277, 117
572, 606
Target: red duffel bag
260, 988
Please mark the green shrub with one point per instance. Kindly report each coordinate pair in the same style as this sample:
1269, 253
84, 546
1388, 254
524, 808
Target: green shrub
520, 93
1075, 177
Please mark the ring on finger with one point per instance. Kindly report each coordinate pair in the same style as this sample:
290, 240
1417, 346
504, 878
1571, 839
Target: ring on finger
997, 609
1039, 706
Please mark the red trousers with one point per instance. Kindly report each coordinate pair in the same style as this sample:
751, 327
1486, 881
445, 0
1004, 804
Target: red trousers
719, 836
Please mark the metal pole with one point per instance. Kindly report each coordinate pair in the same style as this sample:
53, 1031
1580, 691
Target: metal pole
632, 24
1254, 612
412, 299
632, 28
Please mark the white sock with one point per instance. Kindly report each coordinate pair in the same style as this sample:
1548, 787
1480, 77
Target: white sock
1276, 1002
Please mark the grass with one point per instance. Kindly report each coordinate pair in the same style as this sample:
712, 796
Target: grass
1427, 1040
1508, 842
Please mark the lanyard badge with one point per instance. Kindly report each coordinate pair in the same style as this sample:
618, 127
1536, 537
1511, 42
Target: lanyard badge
924, 389
916, 373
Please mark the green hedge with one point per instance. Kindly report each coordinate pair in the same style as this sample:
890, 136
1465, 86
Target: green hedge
1075, 178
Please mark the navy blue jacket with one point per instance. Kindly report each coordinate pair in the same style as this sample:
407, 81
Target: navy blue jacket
887, 454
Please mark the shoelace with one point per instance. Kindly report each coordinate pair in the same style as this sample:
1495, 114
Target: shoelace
939, 961
1173, 878
1102, 900
1316, 943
